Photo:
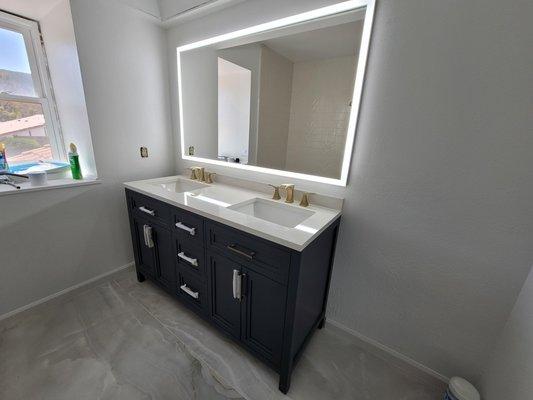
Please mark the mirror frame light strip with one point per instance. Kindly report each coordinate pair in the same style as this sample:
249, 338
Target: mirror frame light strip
357, 93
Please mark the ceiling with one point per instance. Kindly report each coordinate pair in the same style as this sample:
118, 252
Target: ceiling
33, 9
166, 12
332, 41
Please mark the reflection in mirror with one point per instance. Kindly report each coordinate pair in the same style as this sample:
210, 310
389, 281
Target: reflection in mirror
279, 99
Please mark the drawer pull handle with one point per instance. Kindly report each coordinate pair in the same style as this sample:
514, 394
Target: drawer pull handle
189, 291
192, 261
147, 211
192, 231
148, 239
237, 284
233, 248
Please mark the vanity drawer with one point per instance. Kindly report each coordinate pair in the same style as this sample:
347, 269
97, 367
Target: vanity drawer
264, 257
190, 258
149, 208
188, 226
193, 292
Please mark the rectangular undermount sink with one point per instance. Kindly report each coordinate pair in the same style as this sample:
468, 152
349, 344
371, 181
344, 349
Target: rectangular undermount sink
277, 213
180, 185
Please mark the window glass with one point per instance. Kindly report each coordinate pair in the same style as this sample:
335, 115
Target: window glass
15, 72
23, 132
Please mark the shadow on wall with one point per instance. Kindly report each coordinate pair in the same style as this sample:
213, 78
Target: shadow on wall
58, 238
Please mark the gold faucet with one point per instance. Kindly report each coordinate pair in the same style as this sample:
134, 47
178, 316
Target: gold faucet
276, 195
304, 202
289, 187
197, 173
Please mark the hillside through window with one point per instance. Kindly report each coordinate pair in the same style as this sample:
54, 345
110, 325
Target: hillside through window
28, 126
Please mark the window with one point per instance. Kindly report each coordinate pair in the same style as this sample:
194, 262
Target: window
29, 127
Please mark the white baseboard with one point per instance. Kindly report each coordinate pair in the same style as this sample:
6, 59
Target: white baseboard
390, 353
64, 291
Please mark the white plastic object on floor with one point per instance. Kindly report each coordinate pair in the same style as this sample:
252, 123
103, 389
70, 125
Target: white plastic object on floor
461, 389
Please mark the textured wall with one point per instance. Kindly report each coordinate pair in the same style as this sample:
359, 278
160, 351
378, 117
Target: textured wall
508, 375
320, 110
436, 239
57, 238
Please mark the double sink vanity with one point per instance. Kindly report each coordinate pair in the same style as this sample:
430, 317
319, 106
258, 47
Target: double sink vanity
280, 98
257, 269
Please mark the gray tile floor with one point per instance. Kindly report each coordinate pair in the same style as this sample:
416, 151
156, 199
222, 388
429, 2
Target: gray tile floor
123, 340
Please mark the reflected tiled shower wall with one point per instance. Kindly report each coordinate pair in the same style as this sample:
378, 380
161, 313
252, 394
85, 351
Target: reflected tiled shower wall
320, 111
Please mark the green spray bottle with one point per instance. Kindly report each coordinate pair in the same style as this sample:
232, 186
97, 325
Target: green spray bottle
74, 160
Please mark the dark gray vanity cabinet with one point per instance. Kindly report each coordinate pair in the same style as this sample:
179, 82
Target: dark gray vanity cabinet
267, 297
153, 256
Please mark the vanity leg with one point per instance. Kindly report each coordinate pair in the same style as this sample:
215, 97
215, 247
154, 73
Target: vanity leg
285, 381
322, 323
140, 277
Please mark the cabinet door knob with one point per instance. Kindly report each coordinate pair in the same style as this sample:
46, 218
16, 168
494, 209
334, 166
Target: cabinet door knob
147, 211
237, 284
148, 239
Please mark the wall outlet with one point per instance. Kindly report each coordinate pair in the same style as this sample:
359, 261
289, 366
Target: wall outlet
191, 150
144, 152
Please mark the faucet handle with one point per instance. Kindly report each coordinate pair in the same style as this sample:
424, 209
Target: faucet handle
276, 195
304, 202
209, 176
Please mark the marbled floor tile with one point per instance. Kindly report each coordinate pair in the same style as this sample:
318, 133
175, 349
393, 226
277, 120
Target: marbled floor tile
125, 340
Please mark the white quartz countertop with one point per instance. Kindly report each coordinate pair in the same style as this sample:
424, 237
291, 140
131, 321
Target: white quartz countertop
212, 201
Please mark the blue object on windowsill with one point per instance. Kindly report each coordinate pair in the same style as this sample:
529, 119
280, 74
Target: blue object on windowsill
47, 166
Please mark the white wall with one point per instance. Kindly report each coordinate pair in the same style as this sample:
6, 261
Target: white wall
436, 238
509, 374
58, 238
274, 109
200, 101
319, 115
234, 89
64, 66
249, 57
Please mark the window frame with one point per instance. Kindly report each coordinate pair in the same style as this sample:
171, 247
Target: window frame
42, 83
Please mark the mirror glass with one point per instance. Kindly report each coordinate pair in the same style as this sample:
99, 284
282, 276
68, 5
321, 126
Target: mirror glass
281, 98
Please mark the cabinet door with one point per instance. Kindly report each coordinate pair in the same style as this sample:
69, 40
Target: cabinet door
165, 267
225, 308
144, 254
263, 315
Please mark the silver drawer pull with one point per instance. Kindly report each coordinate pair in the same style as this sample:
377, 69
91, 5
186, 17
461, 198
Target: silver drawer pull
147, 211
233, 248
189, 291
192, 231
148, 238
192, 261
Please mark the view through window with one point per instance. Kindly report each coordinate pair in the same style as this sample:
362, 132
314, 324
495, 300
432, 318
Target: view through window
27, 128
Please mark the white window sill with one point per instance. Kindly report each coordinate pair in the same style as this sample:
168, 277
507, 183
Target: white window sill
26, 187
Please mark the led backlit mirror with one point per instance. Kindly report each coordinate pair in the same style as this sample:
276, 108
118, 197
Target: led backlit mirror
281, 97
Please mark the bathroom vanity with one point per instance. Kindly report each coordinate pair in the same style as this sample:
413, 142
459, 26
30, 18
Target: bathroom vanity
257, 269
